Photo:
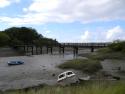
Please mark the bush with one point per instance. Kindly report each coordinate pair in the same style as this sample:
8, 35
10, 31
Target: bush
4, 39
85, 65
117, 46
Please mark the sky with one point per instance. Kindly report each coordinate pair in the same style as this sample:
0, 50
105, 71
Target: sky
67, 20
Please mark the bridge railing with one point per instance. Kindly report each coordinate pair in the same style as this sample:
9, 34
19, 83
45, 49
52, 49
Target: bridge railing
85, 44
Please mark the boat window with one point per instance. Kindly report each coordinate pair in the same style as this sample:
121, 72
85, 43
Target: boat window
62, 75
69, 73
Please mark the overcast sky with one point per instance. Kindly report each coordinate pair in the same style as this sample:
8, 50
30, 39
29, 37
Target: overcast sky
67, 20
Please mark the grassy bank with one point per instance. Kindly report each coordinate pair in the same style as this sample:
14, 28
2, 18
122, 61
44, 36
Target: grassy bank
106, 53
86, 88
85, 65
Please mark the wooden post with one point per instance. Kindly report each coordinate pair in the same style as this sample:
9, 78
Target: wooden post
36, 50
24, 48
41, 51
32, 49
51, 48
27, 48
92, 49
60, 50
63, 48
76, 50
47, 49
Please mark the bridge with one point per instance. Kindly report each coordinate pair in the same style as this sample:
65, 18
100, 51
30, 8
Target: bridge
61, 47
85, 45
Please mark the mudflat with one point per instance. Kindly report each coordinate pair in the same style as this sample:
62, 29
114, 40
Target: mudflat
37, 69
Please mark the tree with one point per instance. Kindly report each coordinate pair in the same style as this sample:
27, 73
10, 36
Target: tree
117, 46
4, 39
27, 36
23, 34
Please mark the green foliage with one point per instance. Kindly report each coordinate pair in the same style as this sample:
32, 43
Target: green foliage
98, 87
117, 46
24, 35
4, 39
107, 53
45, 42
85, 65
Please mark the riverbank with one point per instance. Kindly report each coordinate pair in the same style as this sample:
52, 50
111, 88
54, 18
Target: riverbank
104, 62
98, 87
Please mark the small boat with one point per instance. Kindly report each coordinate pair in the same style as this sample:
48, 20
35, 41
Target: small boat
15, 62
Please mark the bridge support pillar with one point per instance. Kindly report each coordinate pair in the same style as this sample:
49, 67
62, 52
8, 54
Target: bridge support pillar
63, 49
24, 48
92, 49
32, 49
36, 50
47, 49
41, 51
75, 51
27, 49
51, 48
59, 50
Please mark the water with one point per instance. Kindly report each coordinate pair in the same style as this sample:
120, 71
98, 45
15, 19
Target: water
37, 69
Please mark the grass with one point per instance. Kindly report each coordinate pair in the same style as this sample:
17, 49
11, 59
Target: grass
106, 53
85, 65
92, 64
86, 88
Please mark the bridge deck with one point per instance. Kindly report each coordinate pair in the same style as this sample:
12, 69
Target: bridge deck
73, 45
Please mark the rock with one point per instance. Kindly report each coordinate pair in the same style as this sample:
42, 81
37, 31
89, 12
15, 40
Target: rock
116, 77
53, 74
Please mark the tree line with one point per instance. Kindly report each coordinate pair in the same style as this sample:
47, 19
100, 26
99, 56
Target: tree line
24, 36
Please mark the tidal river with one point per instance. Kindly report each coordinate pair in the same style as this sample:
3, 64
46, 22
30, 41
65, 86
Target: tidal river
37, 69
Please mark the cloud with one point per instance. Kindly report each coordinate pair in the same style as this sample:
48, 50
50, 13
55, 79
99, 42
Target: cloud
79, 10
47, 31
85, 36
4, 3
43, 5
68, 11
115, 33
